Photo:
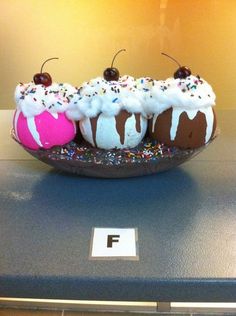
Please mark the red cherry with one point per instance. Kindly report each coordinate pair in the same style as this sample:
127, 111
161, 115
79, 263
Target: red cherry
112, 73
43, 77
182, 72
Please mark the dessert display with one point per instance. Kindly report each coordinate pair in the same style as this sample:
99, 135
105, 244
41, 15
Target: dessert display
109, 111
115, 126
40, 120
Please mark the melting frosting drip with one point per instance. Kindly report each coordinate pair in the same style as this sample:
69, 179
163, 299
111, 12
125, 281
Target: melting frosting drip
138, 122
154, 122
120, 124
17, 114
55, 115
210, 122
33, 130
94, 122
176, 113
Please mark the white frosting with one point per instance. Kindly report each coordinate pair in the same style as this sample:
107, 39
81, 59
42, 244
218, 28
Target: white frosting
143, 95
175, 122
210, 122
15, 121
33, 130
86, 130
190, 93
34, 99
55, 115
107, 136
106, 97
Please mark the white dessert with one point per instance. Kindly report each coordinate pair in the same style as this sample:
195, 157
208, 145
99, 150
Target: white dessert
111, 113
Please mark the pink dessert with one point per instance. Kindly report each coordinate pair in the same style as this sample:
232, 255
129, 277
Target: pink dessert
44, 130
40, 120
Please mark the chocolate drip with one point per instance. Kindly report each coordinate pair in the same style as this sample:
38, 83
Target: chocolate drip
121, 119
190, 133
93, 122
78, 137
138, 123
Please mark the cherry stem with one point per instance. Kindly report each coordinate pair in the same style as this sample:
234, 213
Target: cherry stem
171, 58
121, 50
46, 62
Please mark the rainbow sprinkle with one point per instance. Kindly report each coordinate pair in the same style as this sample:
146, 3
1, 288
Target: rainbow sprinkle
147, 151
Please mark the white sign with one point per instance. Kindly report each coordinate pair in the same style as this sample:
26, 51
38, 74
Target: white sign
114, 243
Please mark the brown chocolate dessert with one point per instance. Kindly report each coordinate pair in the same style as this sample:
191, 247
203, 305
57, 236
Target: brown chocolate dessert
190, 133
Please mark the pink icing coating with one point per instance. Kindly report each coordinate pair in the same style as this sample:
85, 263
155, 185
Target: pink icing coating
51, 131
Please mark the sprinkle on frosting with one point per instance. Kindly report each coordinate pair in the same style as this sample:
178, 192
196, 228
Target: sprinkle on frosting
33, 99
190, 93
107, 97
144, 95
